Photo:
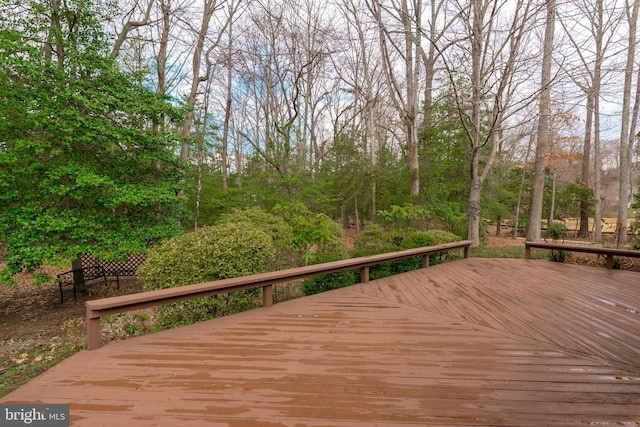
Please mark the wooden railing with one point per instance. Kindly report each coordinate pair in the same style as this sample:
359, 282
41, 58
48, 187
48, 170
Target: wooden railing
609, 253
97, 309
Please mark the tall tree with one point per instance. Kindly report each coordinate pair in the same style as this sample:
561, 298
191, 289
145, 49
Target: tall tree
403, 80
542, 143
486, 99
627, 132
83, 127
591, 28
203, 46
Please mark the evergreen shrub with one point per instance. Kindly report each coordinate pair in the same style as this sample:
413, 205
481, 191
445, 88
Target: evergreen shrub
558, 231
230, 249
281, 233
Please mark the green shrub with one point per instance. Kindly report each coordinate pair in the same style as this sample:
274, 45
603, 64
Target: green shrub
405, 216
327, 282
375, 240
558, 231
211, 253
440, 237
418, 239
557, 255
281, 233
309, 229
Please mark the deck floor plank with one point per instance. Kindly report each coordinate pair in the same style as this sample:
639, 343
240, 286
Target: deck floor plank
471, 343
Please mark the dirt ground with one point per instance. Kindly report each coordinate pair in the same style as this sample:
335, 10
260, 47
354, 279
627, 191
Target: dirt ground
31, 313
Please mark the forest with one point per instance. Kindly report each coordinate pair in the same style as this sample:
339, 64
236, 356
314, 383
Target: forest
128, 122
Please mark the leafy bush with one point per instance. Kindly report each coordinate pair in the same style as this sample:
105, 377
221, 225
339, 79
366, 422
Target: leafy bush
557, 231
211, 253
375, 240
407, 215
281, 233
440, 237
326, 282
557, 255
316, 236
309, 229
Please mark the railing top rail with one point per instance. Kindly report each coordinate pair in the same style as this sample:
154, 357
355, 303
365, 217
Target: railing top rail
587, 249
119, 304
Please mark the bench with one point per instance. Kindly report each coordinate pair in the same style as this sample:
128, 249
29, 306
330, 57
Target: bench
118, 272
81, 279
609, 253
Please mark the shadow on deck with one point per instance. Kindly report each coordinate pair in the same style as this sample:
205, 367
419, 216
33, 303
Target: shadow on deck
472, 342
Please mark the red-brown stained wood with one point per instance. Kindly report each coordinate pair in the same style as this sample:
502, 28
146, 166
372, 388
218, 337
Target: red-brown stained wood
471, 342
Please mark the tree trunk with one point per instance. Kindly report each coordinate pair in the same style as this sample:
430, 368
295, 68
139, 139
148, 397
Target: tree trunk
474, 212
553, 198
209, 8
597, 160
586, 169
625, 142
535, 213
405, 101
521, 189
227, 109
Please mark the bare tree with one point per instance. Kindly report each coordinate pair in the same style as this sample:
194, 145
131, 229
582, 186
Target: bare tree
200, 55
282, 56
358, 66
485, 101
535, 212
138, 15
404, 86
232, 9
591, 30
627, 132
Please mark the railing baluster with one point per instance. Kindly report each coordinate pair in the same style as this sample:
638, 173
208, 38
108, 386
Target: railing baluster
364, 274
267, 295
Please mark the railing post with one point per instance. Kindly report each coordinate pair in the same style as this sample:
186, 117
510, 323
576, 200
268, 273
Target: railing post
425, 260
93, 330
527, 251
267, 295
466, 251
610, 262
364, 274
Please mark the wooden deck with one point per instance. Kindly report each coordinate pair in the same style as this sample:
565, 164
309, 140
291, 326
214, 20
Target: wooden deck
478, 342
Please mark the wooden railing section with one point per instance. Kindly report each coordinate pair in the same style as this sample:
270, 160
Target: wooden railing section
609, 253
97, 309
